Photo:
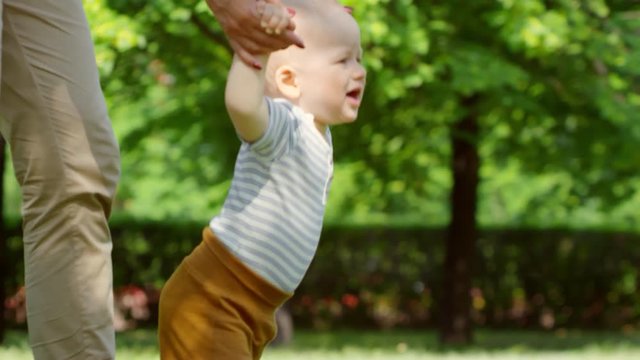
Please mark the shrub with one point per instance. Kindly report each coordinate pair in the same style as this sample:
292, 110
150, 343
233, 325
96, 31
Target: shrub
392, 277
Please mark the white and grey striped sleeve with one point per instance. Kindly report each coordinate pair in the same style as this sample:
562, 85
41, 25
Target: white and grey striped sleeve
279, 136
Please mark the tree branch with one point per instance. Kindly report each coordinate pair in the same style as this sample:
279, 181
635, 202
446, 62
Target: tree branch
208, 33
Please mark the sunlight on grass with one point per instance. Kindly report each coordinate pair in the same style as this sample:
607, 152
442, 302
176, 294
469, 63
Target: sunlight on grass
398, 345
366, 355
499, 345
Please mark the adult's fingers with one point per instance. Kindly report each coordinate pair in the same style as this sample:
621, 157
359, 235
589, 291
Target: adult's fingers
245, 56
282, 24
259, 42
292, 38
268, 17
273, 18
289, 36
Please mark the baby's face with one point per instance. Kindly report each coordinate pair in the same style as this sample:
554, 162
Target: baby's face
329, 70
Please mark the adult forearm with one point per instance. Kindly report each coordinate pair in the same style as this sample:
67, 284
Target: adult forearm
216, 4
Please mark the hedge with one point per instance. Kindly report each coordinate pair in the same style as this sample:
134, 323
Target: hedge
391, 277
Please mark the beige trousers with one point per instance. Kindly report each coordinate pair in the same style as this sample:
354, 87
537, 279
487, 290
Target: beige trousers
66, 160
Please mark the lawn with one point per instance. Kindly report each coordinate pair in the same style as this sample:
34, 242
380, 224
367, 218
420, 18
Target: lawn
400, 345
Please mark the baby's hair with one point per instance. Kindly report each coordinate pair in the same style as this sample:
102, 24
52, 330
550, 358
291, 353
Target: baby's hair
307, 5
307, 12
306, 9
313, 19
313, 8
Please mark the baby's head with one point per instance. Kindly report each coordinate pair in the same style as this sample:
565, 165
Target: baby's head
325, 78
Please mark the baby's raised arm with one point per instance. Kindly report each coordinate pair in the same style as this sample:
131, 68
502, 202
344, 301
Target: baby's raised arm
244, 93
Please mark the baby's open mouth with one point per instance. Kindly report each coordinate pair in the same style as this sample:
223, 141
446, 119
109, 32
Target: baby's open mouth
354, 94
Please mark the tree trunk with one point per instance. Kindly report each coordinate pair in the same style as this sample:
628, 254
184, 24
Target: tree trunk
3, 244
461, 238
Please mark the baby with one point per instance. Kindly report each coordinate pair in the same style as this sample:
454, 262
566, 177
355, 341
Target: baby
220, 302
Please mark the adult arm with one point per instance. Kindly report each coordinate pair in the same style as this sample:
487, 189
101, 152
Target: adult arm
241, 24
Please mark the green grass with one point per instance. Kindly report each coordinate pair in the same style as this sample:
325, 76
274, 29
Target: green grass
400, 345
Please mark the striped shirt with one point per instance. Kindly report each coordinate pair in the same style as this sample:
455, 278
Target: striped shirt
272, 216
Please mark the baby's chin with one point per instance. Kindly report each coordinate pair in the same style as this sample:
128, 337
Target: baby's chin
351, 117
344, 120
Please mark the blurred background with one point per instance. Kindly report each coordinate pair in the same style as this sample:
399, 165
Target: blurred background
492, 180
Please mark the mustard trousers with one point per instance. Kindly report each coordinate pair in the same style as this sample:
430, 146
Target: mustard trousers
215, 308
66, 160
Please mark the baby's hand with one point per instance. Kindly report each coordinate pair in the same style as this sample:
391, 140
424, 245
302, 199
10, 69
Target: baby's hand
275, 18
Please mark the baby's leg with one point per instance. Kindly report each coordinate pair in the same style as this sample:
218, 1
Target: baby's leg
194, 324
213, 307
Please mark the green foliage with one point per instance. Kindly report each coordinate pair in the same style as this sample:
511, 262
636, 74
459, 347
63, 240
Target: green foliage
558, 109
558, 89
583, 118
557, 83
165, 96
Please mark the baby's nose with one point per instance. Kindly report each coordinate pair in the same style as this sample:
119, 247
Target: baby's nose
360, 72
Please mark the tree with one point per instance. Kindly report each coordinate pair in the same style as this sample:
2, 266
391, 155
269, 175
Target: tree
538, 83
462, 232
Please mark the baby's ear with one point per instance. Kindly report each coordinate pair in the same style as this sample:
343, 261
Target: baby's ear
287, 82
348, 9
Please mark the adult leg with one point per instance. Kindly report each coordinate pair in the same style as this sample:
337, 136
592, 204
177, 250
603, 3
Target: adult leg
66, 161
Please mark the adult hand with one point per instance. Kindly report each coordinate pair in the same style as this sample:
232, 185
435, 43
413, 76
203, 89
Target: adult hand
241, 24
